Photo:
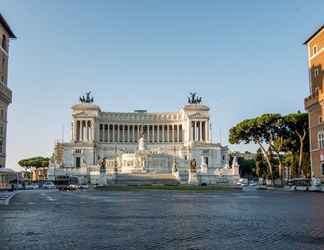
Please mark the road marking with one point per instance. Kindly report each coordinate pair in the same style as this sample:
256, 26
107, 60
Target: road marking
48, 197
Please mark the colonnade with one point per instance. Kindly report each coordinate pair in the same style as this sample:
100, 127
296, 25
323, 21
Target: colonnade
199, 131
130, 133
83, 130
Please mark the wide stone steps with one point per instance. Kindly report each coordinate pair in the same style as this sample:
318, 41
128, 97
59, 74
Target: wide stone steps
143, 179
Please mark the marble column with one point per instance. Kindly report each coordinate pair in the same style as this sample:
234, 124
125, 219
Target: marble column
197, 131
207, 131
92, 131
147, 133
108, 132
82, 130
200, 131
153, 133
163, 139
77, 130
178, 133
113, 133
88, 130
173, 133
123, 133
168, 133
118, 133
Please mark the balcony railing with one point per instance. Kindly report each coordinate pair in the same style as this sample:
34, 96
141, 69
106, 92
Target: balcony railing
5, 92
314, 98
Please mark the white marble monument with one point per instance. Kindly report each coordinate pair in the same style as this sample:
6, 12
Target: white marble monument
142, 142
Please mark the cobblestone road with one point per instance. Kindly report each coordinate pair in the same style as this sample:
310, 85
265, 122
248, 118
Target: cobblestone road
162, 220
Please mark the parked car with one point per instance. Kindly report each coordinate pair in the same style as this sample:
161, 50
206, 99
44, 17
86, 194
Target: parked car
253, 183
72, 187
84, 186
243, 182
31, 186
49, 185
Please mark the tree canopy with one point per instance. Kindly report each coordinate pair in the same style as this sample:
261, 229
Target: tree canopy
275, 135
34, 162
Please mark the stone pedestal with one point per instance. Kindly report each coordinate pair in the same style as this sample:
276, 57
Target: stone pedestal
102, 180
193, 178
316, 184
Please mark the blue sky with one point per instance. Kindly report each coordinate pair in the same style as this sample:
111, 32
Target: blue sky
244, 57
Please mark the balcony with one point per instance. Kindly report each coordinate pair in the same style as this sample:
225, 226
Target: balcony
5, 93
316, 97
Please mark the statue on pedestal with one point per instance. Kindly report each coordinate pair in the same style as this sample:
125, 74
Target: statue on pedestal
193, 166
87, 98
141, 143
103, 177
193, 178
235, 166
193, 98
204, 164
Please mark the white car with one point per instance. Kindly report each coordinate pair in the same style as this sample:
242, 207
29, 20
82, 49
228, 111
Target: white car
243, 182
49, 185
31, 186
253, 183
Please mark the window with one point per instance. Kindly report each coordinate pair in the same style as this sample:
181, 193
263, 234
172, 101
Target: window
314, 50
1, 146
1, 131
316, 72
320, 138
4, 42
320, 119
322, 169
206, 160
77, 162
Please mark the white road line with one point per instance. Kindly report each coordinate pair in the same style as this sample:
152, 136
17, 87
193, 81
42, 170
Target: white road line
48, 197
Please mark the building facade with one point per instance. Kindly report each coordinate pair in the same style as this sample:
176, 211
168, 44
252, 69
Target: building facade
5, 93
140, 142
314, 103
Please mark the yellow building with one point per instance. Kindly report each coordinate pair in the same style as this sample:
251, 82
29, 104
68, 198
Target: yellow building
39, 174
314, 103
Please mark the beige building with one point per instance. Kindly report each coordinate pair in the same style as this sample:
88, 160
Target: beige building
5, 93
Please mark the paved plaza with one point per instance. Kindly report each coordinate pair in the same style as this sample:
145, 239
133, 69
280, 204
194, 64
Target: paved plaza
43, 219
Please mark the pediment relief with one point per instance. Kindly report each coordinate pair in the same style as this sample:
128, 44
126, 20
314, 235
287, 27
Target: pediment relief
83, 114
198, 116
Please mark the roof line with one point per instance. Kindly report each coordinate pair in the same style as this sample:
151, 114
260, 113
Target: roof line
7, 27
314, 34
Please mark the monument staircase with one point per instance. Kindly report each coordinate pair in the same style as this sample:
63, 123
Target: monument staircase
146, 179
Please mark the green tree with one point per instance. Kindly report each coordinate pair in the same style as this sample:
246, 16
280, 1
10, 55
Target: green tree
34, 162
297, 123
262, 130
277, 136
261, 165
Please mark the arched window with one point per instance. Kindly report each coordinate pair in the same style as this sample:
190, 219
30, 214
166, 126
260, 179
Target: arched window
4, 42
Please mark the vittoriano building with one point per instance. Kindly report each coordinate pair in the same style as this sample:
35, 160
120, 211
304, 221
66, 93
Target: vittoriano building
165, 144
